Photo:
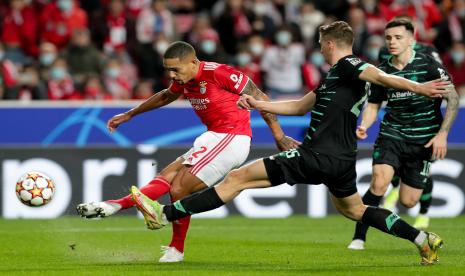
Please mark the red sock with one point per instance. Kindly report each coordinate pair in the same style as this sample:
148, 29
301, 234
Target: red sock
155, 189
180, 228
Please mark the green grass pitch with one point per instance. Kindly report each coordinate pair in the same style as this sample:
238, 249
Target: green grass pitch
121, 245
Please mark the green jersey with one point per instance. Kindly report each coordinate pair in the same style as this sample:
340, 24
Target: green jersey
339, 98
410, 117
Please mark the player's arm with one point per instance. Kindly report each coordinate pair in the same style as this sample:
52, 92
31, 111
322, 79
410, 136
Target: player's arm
369, 116
283, 142
289, 108
439, 141
434, 89
158, 100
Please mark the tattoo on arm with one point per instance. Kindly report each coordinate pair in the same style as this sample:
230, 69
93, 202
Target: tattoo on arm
252, 90
451, 110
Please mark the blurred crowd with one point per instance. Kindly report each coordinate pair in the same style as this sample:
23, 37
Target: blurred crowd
112, 49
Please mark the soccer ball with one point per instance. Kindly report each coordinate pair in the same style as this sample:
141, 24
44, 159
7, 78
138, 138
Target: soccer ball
35, 189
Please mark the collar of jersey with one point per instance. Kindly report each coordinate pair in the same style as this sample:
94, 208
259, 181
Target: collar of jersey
199, 73
410, 60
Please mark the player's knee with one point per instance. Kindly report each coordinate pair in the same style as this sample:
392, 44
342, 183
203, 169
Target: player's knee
177, 192
233, 177
354, 212
408, 202
379, 185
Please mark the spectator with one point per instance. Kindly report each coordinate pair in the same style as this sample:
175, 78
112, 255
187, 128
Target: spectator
358, 24
60, 84
59, 20
8, 76
116, 83
372, 48
282, 66
143, 90
452, 28
375, 18
155, 21
233, 25
314, 69
47, 55
245, 63
114, 31
455, 64
210, 49
202, 26
20, 28
425, 14
134, 7
256, 45
308, 20
82, 57
94, 89
264, 18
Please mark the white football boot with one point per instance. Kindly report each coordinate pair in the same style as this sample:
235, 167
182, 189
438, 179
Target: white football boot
171, 255
97, 209
357, 244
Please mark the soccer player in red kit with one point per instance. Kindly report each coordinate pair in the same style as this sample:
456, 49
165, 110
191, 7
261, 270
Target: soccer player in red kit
213, 90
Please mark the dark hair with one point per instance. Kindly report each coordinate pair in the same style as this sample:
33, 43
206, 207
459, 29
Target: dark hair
338, 31
396, 22
179, 49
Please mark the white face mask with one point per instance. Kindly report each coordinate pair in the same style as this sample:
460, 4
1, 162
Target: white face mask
256, 49
208, 46
243, 59
283, 38
2, 55
161, 46
260, 9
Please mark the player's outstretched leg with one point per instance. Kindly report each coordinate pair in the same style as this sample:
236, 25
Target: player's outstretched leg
154, 189
422, 220
427, 243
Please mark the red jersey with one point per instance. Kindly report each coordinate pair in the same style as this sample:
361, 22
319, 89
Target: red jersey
213, 94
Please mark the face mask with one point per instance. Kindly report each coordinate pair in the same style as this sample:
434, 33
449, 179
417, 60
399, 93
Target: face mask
243, 59
457, 56
256, 49
372, 53
47, 59
208, 46
283, 38
57, 73
461, 12
2, 55
260, 9
65, 5
370, 7
317, 59
161, 47
112, 72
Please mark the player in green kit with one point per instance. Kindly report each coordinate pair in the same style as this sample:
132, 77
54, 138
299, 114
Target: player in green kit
392, 197
413, 132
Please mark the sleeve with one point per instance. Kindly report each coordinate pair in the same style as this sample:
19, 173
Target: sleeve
350, 67
376, 93
436, 70
230, 79
176, 88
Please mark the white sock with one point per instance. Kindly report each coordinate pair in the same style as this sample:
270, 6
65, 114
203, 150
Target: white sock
420, 238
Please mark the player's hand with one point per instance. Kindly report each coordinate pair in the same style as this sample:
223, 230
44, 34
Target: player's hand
435, 88
117, 120
361, 132
286, 143
247, 102
439, 144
